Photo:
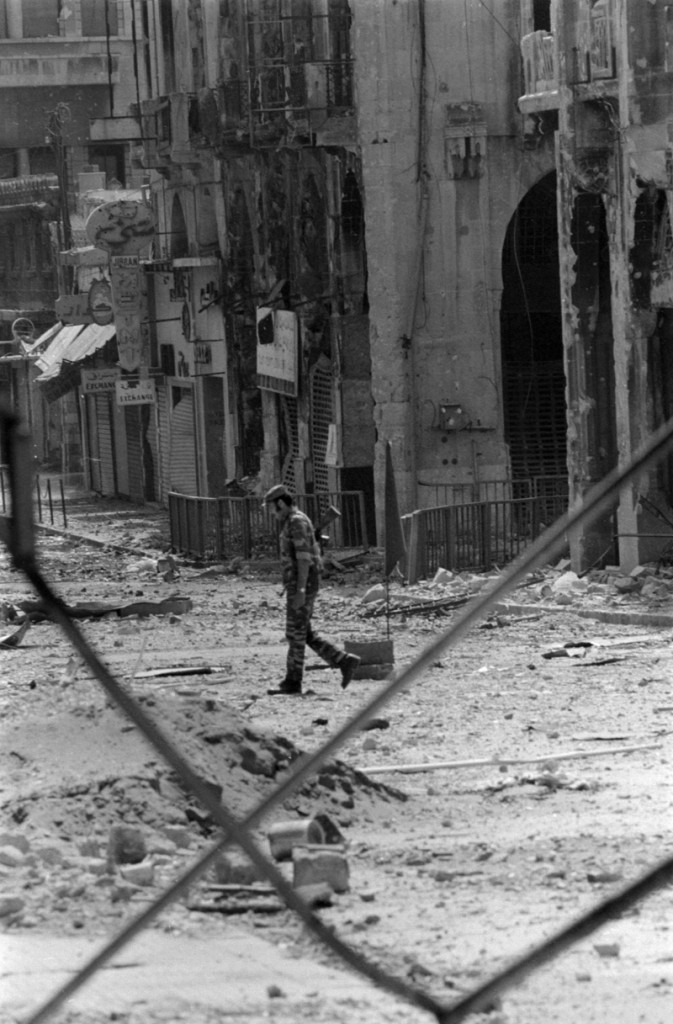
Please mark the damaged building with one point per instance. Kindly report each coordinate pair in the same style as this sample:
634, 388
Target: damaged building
440, 225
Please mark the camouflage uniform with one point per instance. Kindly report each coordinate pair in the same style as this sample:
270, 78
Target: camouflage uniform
297, 542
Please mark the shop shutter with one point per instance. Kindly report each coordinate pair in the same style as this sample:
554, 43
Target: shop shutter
93, 443
134, 454
164, 452
105, 445
183, 448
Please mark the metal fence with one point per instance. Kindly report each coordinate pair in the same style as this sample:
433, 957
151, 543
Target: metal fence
476, 535
225, 528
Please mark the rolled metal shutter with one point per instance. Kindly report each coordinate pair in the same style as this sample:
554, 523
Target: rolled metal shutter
108, 483
183, 447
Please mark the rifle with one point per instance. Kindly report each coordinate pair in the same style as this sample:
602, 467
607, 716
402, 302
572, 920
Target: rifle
322, 538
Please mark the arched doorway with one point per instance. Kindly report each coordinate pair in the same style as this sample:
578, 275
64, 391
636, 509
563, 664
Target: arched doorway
532, 346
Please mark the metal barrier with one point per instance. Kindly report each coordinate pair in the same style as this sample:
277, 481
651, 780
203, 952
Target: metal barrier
225, 528
47, 506
477, 535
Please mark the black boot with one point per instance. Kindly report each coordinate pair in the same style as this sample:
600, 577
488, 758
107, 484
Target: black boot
288, 688
348, 667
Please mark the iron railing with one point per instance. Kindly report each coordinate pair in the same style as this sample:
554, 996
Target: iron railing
228, 527
476, 535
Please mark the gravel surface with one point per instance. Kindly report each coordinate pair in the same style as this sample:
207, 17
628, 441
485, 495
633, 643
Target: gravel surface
453, 872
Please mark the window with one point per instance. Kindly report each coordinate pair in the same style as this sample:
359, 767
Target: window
40, 18
542, 15
109, 159
99, 17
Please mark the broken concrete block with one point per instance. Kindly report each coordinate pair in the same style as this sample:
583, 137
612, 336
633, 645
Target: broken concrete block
626, 584
11, 857
375, 593
10, 904
322, 865
139, 874
126, 845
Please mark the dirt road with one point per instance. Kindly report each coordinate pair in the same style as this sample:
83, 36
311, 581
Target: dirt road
452, 872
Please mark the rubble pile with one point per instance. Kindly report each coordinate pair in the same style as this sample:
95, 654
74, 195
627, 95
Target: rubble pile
88, 809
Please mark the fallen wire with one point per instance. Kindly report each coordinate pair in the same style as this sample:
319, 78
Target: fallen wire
545, 547
440, 605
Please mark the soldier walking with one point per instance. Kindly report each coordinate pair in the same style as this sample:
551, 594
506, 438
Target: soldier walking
301, 565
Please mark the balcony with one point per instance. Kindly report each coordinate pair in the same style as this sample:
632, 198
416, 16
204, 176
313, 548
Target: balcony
590, 61
171, 131
24, 64
313, 101
540, 73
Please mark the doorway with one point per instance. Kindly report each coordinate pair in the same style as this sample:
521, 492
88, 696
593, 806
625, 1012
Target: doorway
532, 346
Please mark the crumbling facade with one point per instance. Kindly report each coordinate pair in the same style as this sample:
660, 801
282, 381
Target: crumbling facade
600, 78
258, 287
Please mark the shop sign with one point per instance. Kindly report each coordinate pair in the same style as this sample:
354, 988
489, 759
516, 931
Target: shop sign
125, 276
97, 382
100, 301
202, 354
277, 350
121, 226
137, 392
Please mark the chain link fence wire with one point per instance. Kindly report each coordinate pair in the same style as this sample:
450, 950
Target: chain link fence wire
20, 539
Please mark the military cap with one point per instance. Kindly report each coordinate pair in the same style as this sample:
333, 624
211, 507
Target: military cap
279, 491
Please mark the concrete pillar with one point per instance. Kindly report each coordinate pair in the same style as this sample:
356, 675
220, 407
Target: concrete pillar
14, 19
22, 163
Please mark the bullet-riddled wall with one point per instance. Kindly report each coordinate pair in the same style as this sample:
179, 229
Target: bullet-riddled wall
444, 169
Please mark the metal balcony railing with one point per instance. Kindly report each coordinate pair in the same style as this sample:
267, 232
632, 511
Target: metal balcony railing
539, 63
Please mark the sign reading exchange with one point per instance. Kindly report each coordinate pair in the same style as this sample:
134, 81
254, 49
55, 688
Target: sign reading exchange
97, 382
137, 392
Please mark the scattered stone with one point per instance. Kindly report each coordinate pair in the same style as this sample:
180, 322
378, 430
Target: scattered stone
90, 847
604, 877
10, 904
139, 874
274, 992
607, 949
317, 895
48, 853
234, 867
11, 857
179, 835
15, 839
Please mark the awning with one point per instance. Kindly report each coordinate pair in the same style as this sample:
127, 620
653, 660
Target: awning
72, 344
60, 363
